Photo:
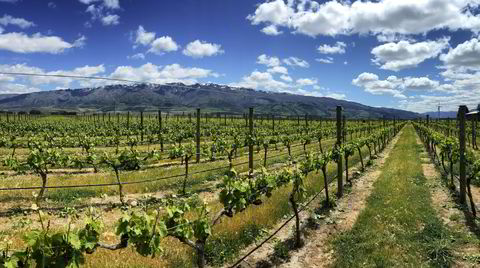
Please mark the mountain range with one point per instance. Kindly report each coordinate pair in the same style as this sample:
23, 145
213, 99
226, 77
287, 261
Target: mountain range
177, 97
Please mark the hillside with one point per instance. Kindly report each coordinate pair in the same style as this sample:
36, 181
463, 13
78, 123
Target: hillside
177, 97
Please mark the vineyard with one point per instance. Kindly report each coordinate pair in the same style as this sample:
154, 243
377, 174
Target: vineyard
154, 189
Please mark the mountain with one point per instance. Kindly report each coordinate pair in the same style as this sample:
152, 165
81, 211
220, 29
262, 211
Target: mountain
176, 97
450, 114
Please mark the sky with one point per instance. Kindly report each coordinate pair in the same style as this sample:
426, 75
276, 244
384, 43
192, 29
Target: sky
409, 54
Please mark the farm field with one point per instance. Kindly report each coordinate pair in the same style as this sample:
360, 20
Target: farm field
113, 196
239, 134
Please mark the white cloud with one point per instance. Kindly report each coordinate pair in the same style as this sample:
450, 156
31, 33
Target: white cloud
138, 56
278, 69
286, 78
22, 43
274, 12
13, 88
145, 73
111, 20
306, 82
294, 61
80, 42
271, 30
367, 17
327, 60
338, 96
163, 44
200, 49
51, 5
262, 80
403, 55
102, 11
157, 74
44, 80
143, 37
268, 61
396, 86
20, 22
338, 48
112, 4
464, 56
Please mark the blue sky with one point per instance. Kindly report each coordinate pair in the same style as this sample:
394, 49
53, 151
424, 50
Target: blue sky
409, 54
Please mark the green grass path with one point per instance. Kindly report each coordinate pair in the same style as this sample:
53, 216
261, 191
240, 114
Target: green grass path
398, 227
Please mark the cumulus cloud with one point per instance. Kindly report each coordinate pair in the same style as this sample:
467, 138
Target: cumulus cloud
143, 37
261, 80
200, 49
45, 80
306, 82
36, 43
162, 45
384, 17
20, 22
112, 4
157, 74
271, 30
278, 69
102, 10
111, 19
327, 60
397, 86
403, 55
296, 62
138, 56
286, 78
145, 73
268, 61
464, 56
338, 48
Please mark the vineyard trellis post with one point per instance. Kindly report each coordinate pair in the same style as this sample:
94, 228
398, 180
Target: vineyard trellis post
160, 129
339, 156
128, 121
250, 143
197, 137
273, 122
141, 125
461, 139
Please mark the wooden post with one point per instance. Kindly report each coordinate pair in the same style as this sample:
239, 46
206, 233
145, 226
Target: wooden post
473, 132
461, 139
160, 128
250, 145
339, 159
273, 122
197, 136
141, 125
128, 120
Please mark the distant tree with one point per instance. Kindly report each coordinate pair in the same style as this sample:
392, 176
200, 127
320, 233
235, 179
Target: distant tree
35, 112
